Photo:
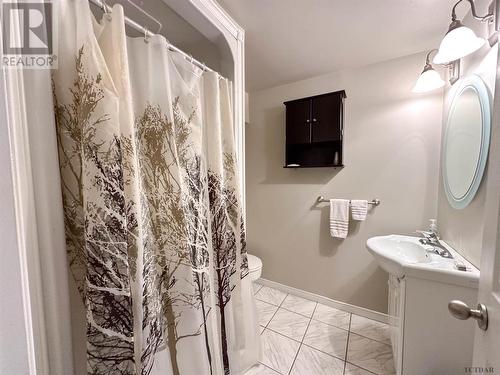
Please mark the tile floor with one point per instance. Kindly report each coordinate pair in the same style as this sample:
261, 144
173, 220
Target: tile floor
302, 337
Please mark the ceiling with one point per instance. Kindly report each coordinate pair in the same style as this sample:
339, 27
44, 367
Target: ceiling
287, 41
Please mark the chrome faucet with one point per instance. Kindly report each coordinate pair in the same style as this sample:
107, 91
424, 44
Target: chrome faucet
431, 238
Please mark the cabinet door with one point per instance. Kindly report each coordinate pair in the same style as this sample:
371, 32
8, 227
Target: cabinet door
327, 118
298, 122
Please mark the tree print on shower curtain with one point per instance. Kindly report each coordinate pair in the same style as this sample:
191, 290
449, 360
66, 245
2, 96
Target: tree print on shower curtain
194, 201
226, 218
152, 210
175, 223
94, 216
96, 231
224, 244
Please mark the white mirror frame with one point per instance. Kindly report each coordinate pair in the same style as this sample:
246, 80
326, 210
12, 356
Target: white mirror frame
477, 84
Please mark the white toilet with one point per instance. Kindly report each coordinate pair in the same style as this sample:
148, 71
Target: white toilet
254, 267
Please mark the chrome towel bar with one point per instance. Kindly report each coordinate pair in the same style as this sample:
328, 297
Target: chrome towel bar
373, 202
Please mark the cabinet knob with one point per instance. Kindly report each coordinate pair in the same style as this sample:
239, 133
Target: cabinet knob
308, 121
314, 120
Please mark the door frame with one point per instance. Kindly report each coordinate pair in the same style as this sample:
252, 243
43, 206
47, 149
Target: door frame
491, 230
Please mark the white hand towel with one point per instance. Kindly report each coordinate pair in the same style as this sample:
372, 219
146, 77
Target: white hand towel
359, 209
339, 217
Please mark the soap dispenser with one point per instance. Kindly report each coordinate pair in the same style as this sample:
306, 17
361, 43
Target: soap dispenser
433, 227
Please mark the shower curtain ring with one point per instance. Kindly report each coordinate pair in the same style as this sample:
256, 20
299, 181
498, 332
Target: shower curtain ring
146, 35
105, 9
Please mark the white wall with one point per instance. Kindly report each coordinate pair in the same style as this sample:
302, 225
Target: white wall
463, 229
392, 142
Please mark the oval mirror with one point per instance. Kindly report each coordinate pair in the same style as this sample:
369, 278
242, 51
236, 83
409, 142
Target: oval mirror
466, 141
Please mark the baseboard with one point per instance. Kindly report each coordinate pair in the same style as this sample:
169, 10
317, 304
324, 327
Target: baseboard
367, 313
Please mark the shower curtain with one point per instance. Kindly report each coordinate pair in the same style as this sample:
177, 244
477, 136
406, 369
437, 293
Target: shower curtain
152, 207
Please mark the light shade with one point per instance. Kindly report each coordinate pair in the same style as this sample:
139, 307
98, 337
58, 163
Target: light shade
429, 80
458, 42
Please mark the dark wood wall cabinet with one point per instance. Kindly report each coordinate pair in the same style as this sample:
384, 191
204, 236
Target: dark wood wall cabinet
315, 131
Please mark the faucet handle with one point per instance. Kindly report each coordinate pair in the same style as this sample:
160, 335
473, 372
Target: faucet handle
427, 234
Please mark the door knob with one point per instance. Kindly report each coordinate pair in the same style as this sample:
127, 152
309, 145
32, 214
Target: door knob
461, 311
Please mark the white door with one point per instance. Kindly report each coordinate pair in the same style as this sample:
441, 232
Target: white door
487, 342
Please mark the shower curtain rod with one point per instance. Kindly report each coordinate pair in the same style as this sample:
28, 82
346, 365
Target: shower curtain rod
106, 8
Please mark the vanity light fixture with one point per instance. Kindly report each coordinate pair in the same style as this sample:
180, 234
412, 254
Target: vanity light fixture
429, 79
460, 40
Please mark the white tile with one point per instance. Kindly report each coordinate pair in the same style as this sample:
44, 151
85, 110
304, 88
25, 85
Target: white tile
256, 287
265, 311
354, 370
370, 354
299, 305
370, 328
278, 351
289, 324
270, 295
327, 338
310, 361
330, 315
260, 369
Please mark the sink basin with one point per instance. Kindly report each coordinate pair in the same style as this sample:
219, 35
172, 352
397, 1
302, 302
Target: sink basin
393, 252
405, 255
407, 250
